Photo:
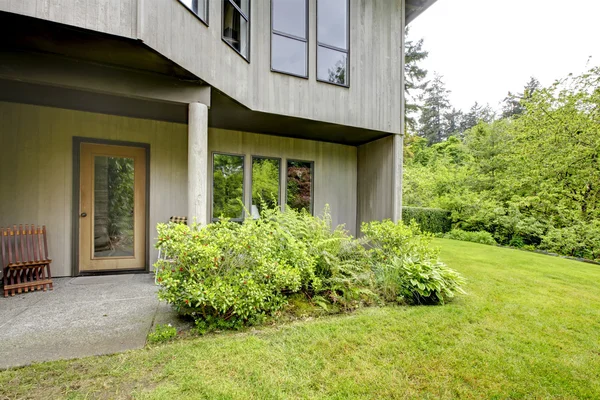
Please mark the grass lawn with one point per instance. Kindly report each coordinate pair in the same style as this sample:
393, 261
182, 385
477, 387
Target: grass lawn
529, 328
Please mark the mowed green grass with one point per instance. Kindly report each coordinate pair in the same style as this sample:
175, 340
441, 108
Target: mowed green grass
528, 328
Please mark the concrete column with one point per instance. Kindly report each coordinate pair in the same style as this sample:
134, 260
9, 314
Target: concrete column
397, 178
198, 164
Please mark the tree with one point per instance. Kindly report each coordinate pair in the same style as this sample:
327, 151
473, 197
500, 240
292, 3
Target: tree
476, 114
414, 76
433, 126
513, 104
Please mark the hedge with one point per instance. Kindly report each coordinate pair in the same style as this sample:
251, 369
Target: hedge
434, 220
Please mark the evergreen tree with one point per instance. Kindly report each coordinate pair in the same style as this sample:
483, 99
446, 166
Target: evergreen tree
513, 106
476, 114
432, 124
414, 76
453, 121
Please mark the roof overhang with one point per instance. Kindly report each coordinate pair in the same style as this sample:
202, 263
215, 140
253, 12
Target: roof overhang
414, 8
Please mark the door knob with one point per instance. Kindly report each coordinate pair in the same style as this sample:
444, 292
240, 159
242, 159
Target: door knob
83, 215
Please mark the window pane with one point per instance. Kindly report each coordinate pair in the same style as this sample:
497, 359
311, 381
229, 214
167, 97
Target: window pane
244, 5
265, 184
332, 66
228, 186
299, 185
332, 16
289, 16
289, 55
113, 206
197, 6
235, 29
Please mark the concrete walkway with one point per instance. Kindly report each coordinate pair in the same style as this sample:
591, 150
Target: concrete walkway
81, 317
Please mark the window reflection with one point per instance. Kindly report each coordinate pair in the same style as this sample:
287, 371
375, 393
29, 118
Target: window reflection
289, 55
198, 7
236, 25
333, 23
228, 186
299, 185
114, 206
333, 46
265, 184
332, 66
289, 45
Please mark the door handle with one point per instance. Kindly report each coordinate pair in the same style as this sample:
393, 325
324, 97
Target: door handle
83, 215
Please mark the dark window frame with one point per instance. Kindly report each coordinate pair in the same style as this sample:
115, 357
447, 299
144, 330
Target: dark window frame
203, 20
279, 181
293, 37
347, 51
242, 15
312, 182
212, 185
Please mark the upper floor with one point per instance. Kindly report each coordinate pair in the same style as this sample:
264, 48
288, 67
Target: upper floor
333, 61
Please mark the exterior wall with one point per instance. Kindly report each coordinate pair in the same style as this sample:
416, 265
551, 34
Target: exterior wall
36, 182
117, 17
373, 100
376, 180
334, 168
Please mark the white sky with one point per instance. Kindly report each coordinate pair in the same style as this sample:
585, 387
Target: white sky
484, 48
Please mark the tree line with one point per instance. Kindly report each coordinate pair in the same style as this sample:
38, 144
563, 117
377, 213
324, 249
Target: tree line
528, 174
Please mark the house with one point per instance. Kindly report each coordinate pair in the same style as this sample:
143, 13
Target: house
117, 114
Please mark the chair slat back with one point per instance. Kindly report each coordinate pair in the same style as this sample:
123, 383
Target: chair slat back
23, 244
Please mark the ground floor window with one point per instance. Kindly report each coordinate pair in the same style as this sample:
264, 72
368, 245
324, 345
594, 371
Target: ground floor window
228, 186
299, 187
265, 183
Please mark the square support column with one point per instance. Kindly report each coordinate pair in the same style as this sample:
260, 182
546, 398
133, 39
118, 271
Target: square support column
198, 164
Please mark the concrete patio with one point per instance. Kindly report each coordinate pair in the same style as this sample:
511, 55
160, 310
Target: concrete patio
81, 317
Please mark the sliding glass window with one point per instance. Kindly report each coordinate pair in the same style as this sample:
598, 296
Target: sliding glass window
265, 184
228, 187
198, 7
289, 37
333, 41
299, 187
236, 26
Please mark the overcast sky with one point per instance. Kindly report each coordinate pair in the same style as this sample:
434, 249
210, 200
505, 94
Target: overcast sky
484, 48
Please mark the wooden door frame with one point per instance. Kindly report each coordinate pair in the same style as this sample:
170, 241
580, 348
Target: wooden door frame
77, 142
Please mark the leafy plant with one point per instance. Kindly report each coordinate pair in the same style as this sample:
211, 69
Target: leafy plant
406, 268
162, 333
228, 275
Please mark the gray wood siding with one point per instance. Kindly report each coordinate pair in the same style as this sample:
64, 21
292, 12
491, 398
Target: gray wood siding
37, 168
334, 167
376, 180
117, 17
373, 100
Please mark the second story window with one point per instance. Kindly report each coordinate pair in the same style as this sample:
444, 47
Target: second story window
236, 25
198, 7
289, 34
333, 41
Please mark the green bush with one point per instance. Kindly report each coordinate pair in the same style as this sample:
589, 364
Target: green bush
482, 237
433, 220
162, 333
406, 267
227, 275
578, 240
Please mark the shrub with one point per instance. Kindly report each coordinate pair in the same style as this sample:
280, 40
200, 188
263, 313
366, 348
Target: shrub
406, 267
162, 333
578, 240
227, 275
433, 220
482, 237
